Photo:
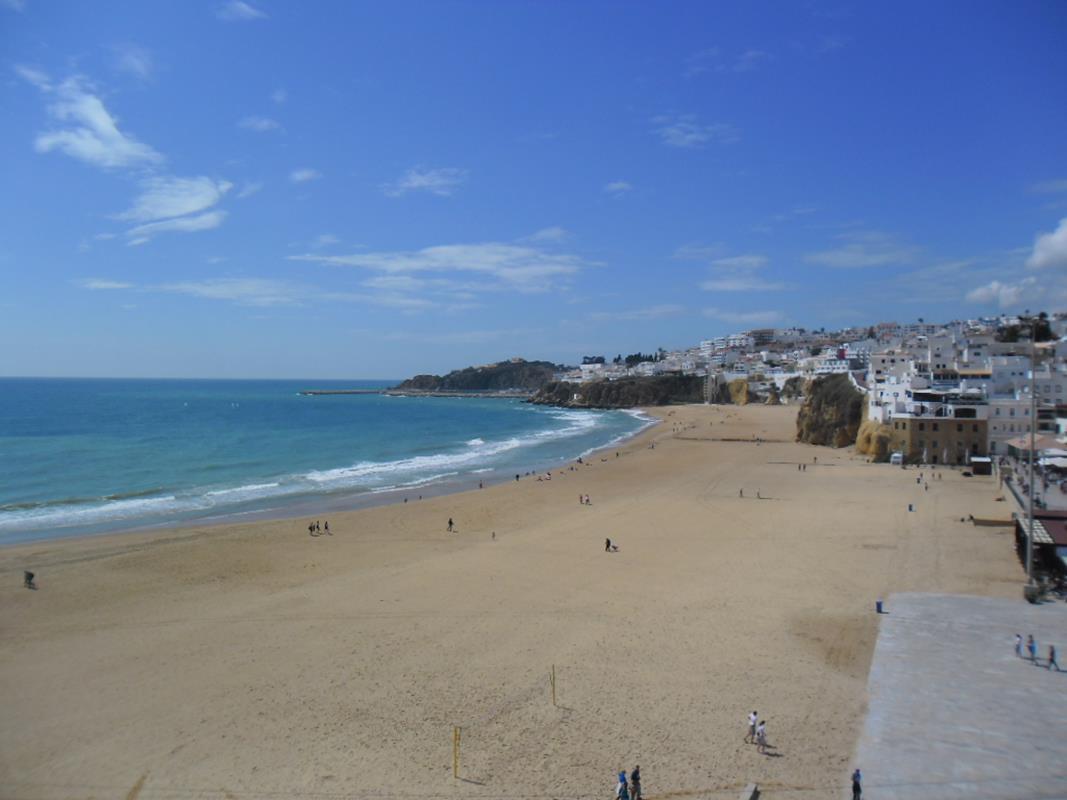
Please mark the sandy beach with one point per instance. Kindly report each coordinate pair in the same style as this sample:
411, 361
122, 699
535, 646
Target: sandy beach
256, 661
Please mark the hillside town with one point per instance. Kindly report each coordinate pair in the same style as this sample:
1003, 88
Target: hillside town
943, 393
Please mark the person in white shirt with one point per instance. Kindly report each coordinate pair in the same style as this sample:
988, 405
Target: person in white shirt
751, 737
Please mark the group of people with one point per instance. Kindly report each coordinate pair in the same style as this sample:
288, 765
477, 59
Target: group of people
757, 732
629, 789
1031, 651
583, 499
314, 529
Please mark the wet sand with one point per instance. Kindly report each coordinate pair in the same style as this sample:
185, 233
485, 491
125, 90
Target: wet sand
255, 661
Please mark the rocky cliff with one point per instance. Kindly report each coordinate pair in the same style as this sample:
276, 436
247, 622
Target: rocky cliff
659, 390
518, 374
873, 438
831, 412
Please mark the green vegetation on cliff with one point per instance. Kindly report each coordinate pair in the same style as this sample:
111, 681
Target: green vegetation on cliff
659, 390
831, 412
518, 374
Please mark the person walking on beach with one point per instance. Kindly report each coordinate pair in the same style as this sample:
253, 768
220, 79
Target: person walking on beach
317, 528
740, 492
311, 529
1018, 645
450, 526
622, 792
27, 581
750, 737
761, 737
1031, 648
635, 783
326, 525
1052, 658
857, 785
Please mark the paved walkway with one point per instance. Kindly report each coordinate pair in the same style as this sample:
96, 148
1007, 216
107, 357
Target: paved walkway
953, 713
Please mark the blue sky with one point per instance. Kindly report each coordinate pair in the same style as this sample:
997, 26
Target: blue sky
268, 189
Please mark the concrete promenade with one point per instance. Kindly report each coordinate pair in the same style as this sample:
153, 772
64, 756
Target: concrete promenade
954, 713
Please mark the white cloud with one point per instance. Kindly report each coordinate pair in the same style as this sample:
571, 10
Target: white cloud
325, 240
745, 317
639, 314
249, 189
395, 283
1050, 187
134, 60
304, 174
243, 291
238, 11
259, 124
698, 252
15, 5
863, 249
741, 283
552, 234
618, 187
279, 96
1005, 295
741, 262
749, 60
738, 274
97, 284
34, 76
1050, 249
713, 60
165, 197
200, 222
511, 266
442, 182
685, 131
93, 136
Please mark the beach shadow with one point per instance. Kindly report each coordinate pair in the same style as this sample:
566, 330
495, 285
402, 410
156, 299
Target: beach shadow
471, 780
772, 755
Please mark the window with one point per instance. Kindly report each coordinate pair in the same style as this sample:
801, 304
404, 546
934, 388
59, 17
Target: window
959, 427
935, 426
974, 429
922, 426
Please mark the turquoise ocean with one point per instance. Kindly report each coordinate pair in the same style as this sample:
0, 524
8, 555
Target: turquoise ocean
81, 456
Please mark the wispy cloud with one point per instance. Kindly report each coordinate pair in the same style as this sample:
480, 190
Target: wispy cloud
258, 292
304, 174
698, 252
325, 240
685, 131
89, 132
618, 187
713, 59
14, 5
745, 317
501, 265
164, 197
134, 60
279, 96
552, 234
1006, 295
249, 189
34, 76
102, 284
238, 11
639, 314
1050, 249
1050, 187
860, 249
259, 124
442, 182
191, 224
739, 274
750, 60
